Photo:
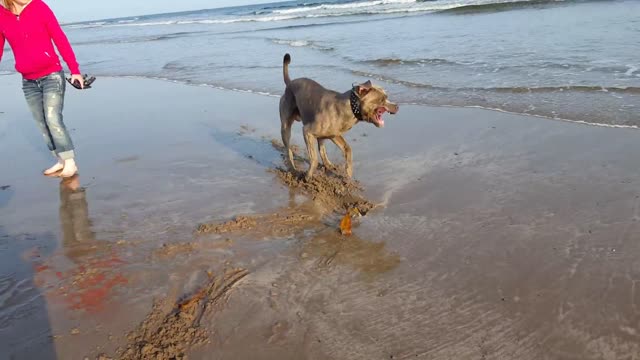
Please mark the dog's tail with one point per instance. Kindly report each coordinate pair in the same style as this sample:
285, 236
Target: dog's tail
285, 68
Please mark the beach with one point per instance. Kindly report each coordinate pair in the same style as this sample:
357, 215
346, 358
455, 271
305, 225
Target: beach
490, 235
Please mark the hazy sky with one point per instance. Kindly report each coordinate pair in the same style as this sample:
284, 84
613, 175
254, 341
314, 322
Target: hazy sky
79, 10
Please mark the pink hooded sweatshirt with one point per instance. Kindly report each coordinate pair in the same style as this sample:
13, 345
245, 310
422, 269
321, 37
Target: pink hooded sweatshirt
30, 36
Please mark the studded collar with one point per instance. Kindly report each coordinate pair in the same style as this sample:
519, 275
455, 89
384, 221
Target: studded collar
356, 106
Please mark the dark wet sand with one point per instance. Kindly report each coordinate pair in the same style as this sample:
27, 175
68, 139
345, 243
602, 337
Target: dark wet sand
501, 236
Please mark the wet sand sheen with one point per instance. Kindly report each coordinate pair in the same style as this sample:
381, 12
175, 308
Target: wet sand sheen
501, 236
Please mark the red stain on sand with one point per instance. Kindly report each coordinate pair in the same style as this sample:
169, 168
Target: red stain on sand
89, 286
91, 297
41, 268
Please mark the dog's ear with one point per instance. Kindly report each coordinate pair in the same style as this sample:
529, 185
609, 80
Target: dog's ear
363, 89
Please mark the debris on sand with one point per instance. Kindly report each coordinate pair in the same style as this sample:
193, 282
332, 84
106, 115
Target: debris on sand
345, 223
163, 336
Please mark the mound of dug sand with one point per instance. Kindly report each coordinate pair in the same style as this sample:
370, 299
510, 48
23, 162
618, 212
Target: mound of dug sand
337, 194
168, 335
333, 191
284, 222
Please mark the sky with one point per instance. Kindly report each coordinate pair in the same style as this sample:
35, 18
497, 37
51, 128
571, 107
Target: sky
81, 10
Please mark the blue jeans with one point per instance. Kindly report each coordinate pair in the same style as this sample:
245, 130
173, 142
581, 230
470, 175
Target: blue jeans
45, 97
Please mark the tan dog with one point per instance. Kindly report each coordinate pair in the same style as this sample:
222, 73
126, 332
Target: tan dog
327, 115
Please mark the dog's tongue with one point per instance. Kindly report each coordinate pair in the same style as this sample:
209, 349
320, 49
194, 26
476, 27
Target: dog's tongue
379, 117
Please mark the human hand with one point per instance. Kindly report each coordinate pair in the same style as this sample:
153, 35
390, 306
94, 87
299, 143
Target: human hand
79, 79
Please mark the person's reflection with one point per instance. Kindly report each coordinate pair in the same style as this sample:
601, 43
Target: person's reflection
89, 284
78, 238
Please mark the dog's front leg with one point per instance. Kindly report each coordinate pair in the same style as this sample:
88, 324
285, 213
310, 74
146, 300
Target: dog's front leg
346, 150
312, 144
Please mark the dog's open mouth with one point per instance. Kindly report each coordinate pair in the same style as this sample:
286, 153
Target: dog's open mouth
377, 116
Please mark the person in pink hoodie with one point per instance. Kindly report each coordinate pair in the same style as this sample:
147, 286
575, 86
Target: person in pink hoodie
31, 29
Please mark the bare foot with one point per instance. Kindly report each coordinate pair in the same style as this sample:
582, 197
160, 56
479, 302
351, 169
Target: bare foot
54, 169
69, 170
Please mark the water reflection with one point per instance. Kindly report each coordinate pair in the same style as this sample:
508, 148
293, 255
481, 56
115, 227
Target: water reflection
78, 237
90, 283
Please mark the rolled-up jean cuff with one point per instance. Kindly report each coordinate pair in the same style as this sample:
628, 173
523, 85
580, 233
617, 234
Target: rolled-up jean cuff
67, 155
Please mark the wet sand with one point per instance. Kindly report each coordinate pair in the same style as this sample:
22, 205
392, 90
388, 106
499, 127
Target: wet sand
491, 236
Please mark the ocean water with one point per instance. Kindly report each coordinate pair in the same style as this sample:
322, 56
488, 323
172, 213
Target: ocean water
573, 60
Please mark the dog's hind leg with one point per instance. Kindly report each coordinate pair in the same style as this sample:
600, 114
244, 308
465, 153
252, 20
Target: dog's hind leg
287, 117
346, 150
285, 131
323, 154
311, 143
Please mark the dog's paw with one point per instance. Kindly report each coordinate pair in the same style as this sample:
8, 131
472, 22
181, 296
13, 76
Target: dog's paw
349, 172
332, 168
